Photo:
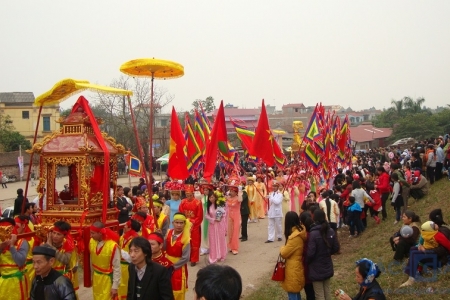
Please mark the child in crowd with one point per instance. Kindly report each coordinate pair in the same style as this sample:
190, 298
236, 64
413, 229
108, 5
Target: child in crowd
354, 217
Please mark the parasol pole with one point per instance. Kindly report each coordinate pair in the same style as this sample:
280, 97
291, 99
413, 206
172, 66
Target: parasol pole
150, 154
31, 158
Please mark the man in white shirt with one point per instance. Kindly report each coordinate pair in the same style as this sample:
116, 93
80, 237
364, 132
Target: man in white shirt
275, 214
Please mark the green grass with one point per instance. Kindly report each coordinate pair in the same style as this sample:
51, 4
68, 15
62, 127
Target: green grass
374, 244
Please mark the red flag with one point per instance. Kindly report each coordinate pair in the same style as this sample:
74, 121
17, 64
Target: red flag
262, 142
218, 141
177, 150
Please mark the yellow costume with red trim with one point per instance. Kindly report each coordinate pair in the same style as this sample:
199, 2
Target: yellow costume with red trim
124, 244
101, 261
30, 273
12, 279
68, 270
162, 217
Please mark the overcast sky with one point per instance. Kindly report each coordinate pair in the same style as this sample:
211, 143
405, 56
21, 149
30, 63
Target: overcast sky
351, 53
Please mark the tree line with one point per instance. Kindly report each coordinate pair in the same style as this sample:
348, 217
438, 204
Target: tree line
410, 118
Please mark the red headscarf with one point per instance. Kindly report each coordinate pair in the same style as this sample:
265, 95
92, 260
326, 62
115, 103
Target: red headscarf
107, 234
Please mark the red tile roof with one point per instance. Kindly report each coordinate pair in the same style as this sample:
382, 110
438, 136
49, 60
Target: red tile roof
365, 133
235, 112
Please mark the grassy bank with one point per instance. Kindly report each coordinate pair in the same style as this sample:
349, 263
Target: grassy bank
374, 244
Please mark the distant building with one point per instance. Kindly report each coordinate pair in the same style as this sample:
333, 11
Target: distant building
247, 117
366, 136
23, 113
293, 109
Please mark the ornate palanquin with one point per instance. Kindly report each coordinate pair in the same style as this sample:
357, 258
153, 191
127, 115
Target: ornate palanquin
76, 146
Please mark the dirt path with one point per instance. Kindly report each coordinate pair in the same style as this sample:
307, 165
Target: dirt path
255, 258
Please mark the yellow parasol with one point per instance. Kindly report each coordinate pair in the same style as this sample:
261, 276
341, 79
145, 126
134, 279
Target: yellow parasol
153, 68
68, 87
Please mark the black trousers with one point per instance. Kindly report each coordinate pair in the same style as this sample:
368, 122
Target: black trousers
384, 198
244, 221
430, 174
438, 171
401, 249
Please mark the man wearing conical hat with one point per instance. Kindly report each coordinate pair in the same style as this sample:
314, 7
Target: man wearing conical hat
193, 210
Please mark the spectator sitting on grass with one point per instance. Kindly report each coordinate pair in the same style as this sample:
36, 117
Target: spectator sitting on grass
400, 242
430, 239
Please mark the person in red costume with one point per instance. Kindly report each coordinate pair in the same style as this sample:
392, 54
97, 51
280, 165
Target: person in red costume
384, 188
193, 210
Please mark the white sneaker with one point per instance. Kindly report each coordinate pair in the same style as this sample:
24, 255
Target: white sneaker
408, 282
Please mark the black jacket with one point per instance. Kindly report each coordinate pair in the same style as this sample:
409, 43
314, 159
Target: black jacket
156, 283
373, 291
123, 213
318, 254
56, 287
18, 205
244, 205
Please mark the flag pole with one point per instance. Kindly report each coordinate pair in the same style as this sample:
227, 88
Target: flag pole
141, 154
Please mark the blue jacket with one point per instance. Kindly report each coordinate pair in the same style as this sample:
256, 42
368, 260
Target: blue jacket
354, 207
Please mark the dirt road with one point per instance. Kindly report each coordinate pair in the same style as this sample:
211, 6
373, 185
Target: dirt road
254, 260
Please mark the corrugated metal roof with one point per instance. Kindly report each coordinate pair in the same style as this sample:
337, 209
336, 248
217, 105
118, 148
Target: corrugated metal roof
16, 97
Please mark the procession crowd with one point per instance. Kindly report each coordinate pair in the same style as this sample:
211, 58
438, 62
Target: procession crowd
168, 226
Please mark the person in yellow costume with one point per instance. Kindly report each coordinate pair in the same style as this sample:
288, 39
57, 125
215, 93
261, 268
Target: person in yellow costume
28, 269
178, 251
105, 262
251, 191
130, 231
66, 258
260, 197
161, 219
13, 254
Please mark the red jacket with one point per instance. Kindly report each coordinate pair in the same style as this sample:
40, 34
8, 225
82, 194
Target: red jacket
383, 185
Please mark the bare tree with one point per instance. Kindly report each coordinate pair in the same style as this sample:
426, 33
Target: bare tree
115, 112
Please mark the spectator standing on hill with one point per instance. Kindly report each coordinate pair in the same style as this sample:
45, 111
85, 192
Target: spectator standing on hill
18, 203
431, 163
322, 243
440, 158
383, 187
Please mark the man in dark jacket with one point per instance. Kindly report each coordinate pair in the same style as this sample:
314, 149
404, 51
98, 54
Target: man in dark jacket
148, 279
18, 203
245, 212
123, 206
49, 284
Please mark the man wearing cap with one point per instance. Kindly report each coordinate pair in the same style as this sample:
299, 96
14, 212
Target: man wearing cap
275, 214
12, 262
178, 250
130, 231
105, 261
66, 259
49, 284
193, 210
